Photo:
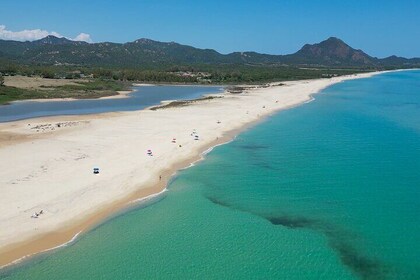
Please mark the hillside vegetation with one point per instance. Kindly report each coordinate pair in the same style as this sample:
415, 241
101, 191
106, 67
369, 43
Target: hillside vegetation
107, 67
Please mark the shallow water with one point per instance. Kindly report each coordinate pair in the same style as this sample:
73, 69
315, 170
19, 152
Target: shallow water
327, 190
140, 98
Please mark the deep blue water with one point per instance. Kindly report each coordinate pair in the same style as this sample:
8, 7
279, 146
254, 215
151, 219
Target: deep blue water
326, 190
142, 97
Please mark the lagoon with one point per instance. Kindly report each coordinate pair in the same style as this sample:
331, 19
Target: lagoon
141, 97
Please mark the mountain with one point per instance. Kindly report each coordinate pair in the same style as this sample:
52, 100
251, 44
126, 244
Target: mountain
51, 50
52, 40
397, 61
332, 51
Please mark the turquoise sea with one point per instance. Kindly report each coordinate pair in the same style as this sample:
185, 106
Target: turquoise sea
326, 190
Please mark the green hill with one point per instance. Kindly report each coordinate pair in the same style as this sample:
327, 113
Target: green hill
146, 53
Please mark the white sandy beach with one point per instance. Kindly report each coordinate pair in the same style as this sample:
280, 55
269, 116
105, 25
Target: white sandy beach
49, 168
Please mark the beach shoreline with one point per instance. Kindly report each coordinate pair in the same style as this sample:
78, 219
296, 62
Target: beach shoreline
60, 231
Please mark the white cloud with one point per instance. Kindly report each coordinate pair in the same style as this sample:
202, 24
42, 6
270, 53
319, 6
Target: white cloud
24, 35
36, 34
83, 37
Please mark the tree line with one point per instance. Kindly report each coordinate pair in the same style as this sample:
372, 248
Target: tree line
217, 74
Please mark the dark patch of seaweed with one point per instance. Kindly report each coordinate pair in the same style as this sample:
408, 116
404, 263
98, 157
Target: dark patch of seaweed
338, 239
218, 202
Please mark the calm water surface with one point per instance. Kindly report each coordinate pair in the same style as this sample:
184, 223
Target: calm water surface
142, 97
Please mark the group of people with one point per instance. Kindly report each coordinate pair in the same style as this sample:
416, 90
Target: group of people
194, 134
36, 214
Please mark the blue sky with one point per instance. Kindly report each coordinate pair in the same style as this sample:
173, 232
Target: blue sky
381, 28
